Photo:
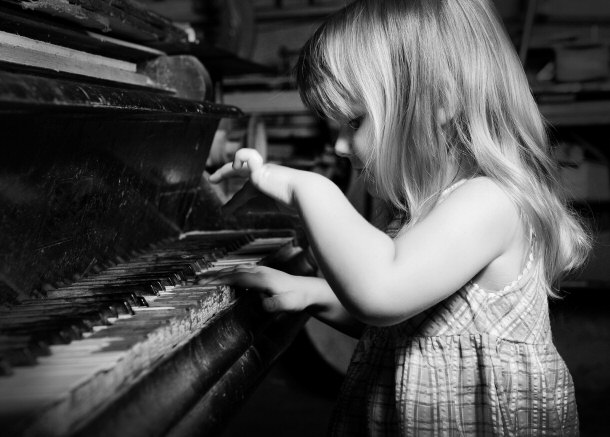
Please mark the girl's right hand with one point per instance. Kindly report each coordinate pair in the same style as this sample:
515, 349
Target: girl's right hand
280, 292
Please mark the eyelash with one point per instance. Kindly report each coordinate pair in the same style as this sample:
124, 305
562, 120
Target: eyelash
355, 123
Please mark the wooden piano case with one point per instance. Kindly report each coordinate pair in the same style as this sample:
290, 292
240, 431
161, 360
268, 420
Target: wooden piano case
100, 177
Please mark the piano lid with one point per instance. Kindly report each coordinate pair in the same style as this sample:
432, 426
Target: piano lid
94, 168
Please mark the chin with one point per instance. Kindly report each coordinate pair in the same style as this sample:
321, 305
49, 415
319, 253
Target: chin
374, 192
369, 184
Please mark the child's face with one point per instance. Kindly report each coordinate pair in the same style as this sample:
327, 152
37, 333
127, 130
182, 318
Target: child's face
354, 141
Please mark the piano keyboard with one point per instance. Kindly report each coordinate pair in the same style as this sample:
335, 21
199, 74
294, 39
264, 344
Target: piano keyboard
67, 356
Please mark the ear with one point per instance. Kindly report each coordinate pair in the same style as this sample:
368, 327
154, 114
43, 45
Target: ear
443, 116
446, 113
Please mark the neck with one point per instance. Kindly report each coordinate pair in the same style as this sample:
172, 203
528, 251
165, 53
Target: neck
460, 169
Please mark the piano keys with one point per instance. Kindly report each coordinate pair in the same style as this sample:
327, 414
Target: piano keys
103, 343
107, 222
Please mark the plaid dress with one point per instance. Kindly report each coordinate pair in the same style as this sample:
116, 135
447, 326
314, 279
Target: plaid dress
478, 363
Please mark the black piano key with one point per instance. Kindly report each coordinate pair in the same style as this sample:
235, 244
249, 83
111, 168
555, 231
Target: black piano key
166, 278
76, 323
83, 320
123, 299
149, 284
177, 258
137, 289
119, 304
49, 333
37, 347
183, 253
185, 269
60, 309
144, 268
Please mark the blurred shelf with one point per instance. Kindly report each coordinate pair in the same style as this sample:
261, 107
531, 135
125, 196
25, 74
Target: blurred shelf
576, 113
267, 102
289, 13
219, 62
549, 88
259, 82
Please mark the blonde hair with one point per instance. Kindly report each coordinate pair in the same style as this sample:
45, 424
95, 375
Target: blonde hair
406, 62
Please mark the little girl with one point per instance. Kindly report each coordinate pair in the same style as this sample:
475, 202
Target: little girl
453, 305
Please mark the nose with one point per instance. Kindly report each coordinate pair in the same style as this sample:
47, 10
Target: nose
343, 147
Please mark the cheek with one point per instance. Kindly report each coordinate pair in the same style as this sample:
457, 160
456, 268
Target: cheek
361, 144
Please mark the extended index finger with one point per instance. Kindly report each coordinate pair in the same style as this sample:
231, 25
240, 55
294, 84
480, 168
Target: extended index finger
227, 171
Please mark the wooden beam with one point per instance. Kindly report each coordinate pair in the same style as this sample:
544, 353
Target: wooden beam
19, 50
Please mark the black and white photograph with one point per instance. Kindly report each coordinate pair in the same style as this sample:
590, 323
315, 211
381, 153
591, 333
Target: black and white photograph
303, 218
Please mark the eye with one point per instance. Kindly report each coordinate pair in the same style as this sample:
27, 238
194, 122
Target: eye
355, 123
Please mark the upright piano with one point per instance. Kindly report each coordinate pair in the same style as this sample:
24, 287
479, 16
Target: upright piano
107, 225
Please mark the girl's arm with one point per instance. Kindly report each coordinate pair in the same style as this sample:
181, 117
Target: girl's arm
283, 292
379, 280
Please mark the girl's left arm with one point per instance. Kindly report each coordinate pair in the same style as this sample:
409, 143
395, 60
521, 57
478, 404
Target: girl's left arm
379, 280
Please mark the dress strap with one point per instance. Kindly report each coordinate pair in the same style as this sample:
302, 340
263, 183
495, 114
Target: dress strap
447, 191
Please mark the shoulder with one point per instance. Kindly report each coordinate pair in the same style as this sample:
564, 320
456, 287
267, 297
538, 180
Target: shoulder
474, 225
482, 204
481, 193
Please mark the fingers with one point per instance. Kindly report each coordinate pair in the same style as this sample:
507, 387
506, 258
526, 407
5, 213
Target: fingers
234, 275
225, 172
274, 181
245, 162
273, 285
249, 157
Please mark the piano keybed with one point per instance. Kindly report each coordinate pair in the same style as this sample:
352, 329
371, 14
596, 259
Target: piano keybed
70, 354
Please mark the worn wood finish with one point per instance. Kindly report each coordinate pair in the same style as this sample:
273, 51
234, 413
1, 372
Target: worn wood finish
24, 23
122, 18
19, 50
